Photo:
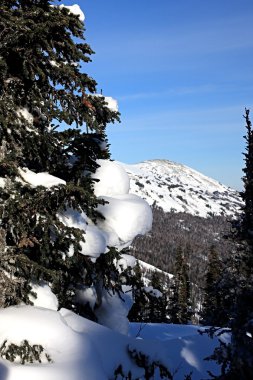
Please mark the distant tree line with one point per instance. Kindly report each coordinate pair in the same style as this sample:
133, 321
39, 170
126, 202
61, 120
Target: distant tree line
194, 241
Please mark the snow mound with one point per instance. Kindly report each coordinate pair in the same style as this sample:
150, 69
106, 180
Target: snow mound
44, 297
95, 241
70, 354
127, 216
114, 311
113, 179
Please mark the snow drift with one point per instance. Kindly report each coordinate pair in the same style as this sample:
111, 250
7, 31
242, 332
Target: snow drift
80, 349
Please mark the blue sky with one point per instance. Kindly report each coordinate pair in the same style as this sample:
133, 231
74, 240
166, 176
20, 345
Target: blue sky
182, 72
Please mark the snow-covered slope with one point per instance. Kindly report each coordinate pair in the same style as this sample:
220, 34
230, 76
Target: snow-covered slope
176, 187
70, 347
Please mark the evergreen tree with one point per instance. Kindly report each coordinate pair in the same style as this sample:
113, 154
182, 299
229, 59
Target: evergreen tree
42, 52
149, 302
139, 309
237, 357
241, 361
158, 302
212, 308
180, 300
246, 227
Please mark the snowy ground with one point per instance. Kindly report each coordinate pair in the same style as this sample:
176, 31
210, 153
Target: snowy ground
183, 347
84, 350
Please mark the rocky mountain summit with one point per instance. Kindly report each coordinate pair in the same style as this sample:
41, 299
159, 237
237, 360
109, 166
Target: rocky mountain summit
176, 187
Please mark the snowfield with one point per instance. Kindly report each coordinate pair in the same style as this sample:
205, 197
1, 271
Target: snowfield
83, 350
176, 187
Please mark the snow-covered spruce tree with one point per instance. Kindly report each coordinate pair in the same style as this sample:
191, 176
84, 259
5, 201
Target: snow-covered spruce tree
236, 358
42, 51
241, 360
138, 312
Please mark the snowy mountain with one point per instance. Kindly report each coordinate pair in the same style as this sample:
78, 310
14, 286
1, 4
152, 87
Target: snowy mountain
176, 187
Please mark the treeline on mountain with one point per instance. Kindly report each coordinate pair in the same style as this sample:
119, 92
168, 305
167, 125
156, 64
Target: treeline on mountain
194, 237
193, 234
162, 298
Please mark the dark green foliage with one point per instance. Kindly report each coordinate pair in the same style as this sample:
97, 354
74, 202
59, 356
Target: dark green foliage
213, 311
236, 359
148, 306
149, 365
241, 362
180, 310
246, 226
156, 281
159, 304
24, 353
41, 85
119, 374
139, 311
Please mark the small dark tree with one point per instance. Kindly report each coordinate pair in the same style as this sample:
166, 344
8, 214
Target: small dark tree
180, 300
150, 303
212, 312
139, 310
158, 303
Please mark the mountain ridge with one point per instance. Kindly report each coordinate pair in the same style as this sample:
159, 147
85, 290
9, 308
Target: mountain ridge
178, 188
